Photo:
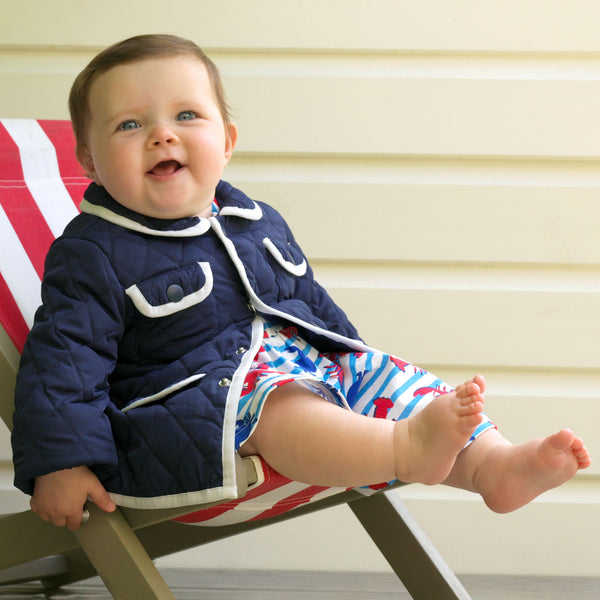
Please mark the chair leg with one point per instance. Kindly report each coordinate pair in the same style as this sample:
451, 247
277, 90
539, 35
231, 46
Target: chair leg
119, 558
409, 552
49, 566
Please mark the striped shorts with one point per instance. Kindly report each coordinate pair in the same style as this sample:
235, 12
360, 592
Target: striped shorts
370, 383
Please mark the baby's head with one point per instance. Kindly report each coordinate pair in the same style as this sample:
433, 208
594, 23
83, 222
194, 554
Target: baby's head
134, 49
152, 125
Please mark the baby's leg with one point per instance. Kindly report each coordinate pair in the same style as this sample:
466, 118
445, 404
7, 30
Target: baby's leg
308, 439
508, 477
311, 440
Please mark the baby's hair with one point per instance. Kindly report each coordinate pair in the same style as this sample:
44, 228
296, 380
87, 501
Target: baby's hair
133, 49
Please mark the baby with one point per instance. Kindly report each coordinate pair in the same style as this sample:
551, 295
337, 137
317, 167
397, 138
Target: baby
181, 323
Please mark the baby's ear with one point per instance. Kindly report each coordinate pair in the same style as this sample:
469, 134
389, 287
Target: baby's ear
231, 133
87, 162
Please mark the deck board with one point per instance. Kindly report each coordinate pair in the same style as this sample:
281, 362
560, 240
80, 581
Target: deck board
302, 585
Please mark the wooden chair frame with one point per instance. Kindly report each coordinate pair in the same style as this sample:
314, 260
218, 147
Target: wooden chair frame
120, 547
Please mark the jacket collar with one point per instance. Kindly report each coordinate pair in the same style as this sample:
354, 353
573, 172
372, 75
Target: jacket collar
232, 202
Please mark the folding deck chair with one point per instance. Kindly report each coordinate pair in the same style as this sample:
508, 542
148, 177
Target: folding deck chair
40, 187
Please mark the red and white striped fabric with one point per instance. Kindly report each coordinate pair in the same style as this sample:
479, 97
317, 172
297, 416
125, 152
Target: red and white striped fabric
41, 185
271, 496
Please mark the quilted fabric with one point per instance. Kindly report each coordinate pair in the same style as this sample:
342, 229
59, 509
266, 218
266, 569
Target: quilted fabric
137, 356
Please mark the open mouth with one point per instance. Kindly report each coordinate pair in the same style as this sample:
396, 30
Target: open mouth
165, 168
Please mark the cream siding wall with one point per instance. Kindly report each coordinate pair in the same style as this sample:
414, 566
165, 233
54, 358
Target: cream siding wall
439, 162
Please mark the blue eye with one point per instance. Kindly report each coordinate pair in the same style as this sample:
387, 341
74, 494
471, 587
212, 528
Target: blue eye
128, 125
186, 115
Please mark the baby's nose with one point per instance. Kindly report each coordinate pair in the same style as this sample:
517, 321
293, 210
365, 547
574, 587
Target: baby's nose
162, 134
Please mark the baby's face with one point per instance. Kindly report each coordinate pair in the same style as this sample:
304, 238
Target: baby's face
156, 138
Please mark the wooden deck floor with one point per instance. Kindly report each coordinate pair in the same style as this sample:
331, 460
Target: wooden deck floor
300, 585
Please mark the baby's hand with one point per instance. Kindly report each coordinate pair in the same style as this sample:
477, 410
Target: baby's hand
59, 497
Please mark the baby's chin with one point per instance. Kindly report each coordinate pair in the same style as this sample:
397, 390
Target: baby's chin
176, 213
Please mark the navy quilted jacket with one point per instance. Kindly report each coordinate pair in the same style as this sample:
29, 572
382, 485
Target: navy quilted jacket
147, 329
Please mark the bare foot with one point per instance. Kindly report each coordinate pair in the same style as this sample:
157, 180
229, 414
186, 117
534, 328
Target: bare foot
512, 476
427, 443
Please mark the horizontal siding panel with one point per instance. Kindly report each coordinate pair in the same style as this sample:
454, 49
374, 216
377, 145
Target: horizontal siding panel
373, 113
37, 96
381, 221
386, 116
463, 25
521, 543
410, 117
540, 415
482, 328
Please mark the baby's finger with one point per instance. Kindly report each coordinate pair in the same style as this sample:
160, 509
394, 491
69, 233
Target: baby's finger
58, 520
73, 521
101, 498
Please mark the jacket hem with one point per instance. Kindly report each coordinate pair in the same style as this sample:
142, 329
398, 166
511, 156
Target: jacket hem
177, 500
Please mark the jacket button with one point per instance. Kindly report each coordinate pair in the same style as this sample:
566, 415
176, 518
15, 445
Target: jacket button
175, 293
225, 382
241, 350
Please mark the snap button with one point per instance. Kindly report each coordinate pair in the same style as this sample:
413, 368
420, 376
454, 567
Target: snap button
175, 293
225, 382
241, 350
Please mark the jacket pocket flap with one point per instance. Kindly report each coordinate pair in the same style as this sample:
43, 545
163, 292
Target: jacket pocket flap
163, 393
173, 291
287, 257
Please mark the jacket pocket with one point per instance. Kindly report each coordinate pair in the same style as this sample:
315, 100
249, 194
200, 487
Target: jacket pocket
173, 291
287, 257
163, 393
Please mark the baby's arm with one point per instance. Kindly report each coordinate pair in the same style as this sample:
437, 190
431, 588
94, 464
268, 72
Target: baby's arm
78, 327
59, 496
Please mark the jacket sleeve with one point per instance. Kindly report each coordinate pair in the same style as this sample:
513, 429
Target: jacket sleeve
62, 383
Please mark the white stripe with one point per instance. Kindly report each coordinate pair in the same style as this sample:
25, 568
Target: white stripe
18, 271
41, 173
248, 509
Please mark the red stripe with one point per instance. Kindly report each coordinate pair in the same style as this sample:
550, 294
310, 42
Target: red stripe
293, 501
19, 205
273, 480
11, 318
63, 140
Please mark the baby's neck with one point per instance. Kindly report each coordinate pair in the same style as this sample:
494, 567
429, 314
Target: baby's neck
207, 212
